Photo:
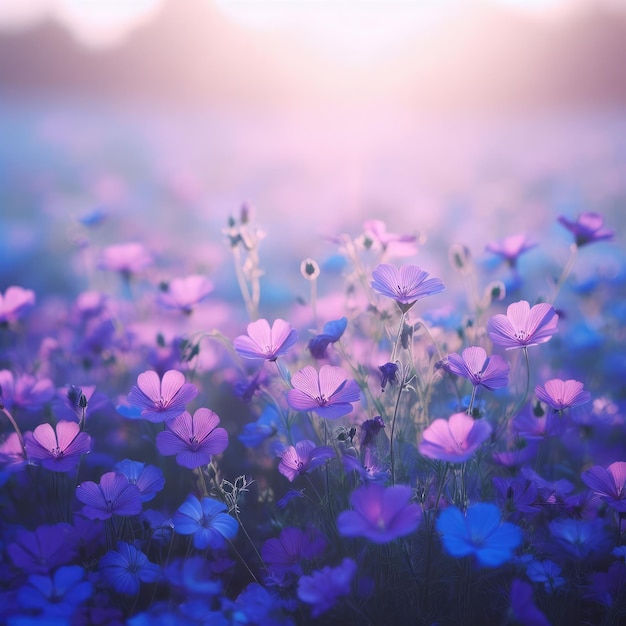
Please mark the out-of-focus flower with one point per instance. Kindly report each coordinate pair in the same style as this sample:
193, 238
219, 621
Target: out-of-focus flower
491, 372
25, 391
263, 342
207, 520
562, 394
193, 439
577, 538
148, 478
255, 433
388, 374
480, 532
406, 285
44, 549
114, 495
454, 440
588, 228
549, 492
331, 333
15, 303
284, 555
329, 394
371, 428
12, 453
126, 568
302, 458
523, 326
56, 595
535, 423
608, 484
524, 608
195, 575
545, 572
183, 294
607, 588
380, 514
127, 259
516, 496
511, 248
60, 449
324, 587
161, 399
375, 237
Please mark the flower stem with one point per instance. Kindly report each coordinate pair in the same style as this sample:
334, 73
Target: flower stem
396, 344
393, 428
573, 253
18, 432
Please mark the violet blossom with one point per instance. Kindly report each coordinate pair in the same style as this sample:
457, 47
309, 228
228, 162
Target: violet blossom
523, 326
263, 342
15, 303
58, 449
562, 394
588, 228
302, 458
490, 372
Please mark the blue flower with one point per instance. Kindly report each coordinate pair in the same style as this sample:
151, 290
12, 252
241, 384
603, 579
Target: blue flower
126, 568
207, 521
331, 333
148, 478
57, 595
480, 533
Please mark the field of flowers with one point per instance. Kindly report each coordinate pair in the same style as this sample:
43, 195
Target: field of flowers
216, 418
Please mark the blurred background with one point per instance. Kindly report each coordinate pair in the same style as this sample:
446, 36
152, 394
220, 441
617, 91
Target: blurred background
154, 120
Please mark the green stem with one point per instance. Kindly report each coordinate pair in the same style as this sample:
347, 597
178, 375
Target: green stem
393, 427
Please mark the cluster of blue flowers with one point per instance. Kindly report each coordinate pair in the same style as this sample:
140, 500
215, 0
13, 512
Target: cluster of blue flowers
370, 461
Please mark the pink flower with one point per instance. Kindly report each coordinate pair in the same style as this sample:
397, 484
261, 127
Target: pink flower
127, 259
185, 293
609, 484
511, 247
329, 393
25, 392
302, 458
263, 342
562, 394
194, 440
492, 372
15, 303
376, 237
60, 450
454, 440
522, 326
161, 400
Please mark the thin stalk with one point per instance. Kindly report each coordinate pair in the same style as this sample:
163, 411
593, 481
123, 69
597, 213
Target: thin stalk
573, 253
398, 338
393, 428
470, 408
16, 428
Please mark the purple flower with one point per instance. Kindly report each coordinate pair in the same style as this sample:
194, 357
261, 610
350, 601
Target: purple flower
194, 440
376, 237
57, 450
406, 285
15, 303
522, 326
285, 554
161, 399
183, 294
454, 440
388, 374
12, 453
44, 549
587, 228
371, 428
545, 572
26, 392
516, 495
126, 568
562, 394
331, 333
608, 484
329, 393
127, 259
538, 424
381, 514
524, 609
263, 342
492, 372
578, 538
113, 496
206, 520
480, 532
148, 478
324, 587
510, 248
302, 458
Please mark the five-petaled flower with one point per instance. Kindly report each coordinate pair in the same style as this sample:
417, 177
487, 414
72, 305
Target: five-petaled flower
454, 440
329, 394
60, 449
126, 568
114, 495
263, 342
480, 532
406, 285
193, 439
302, 458
161, 399
380, 514
510, 248
523, 326
491, 372
207, 520
183, 294
588, 228
562, 394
